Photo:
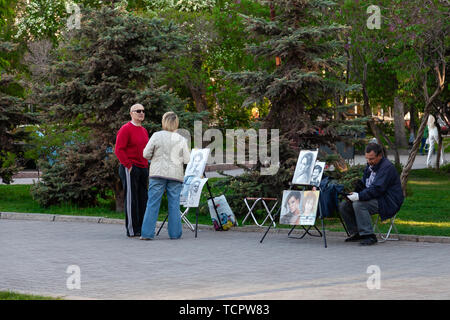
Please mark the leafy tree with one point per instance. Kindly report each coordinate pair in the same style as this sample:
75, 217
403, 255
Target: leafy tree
216, 40
109, 64
425, 27
12, 108
369, 53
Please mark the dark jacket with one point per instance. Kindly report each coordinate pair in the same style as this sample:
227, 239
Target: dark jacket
328, 199
386, 188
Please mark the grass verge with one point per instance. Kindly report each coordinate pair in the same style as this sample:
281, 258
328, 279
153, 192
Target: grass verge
10, 295
426, 210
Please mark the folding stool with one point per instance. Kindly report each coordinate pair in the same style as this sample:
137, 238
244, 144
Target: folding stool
269, 212
388, 233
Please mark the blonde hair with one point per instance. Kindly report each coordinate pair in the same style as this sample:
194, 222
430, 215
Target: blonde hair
170, 121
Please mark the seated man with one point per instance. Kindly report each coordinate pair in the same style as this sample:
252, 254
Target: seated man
382, 193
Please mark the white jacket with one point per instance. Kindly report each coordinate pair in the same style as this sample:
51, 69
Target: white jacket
167, 152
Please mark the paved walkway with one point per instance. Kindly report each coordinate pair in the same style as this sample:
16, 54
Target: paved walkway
34, 257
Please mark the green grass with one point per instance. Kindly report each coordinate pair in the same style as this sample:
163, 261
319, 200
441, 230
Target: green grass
10, 295
426, 210
17, 198
446, 144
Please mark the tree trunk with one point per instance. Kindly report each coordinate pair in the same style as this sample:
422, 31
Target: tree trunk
440, 146
374, 128
414, 150
199, 95
428, 103
399, 124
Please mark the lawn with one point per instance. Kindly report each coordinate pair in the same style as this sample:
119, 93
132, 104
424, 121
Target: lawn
426, 211
10, 295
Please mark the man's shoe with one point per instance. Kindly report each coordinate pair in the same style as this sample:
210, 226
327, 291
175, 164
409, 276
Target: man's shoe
355, 237
368, 240
143, 238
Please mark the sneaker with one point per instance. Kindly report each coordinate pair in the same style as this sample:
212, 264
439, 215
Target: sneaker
368, 240
353, 238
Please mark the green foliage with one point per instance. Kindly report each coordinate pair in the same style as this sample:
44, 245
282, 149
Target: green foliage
45, 141
42, 19
8, 167
109, 64
445, 168
215, 39
301, 87
253, 184
12, 116
179, 5
349, 177
76, 177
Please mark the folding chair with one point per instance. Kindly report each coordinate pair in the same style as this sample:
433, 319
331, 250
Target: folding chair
186, 220
269, 211
386, 236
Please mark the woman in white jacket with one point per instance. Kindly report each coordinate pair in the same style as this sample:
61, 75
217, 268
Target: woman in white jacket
168, 151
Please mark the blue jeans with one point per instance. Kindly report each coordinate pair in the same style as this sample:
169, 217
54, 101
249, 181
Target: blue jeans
156, 189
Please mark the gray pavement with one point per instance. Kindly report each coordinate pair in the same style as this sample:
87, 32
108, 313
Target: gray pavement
34, 257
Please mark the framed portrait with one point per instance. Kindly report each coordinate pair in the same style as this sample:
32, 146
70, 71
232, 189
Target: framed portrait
291, 207
305, 166
197, 162
317, 173
185, 189
308, 210
299, 207
195, 191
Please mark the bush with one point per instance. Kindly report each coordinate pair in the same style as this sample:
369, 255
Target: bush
445, 168
76, 177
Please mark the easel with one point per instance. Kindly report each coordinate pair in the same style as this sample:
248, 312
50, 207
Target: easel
196, 212
321, 234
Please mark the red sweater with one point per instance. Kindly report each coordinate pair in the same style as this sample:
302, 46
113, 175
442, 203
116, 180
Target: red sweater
130, 143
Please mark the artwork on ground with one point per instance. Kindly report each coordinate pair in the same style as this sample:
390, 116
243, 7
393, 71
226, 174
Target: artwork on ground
227, 217
299, 207
304, 168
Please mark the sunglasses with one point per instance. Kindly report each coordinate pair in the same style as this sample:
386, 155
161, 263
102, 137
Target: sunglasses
140, 111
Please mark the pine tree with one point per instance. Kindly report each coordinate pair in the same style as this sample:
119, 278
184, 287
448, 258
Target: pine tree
301, 87
109, 64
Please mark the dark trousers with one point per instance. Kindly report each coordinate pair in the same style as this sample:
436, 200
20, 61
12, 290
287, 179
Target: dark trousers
357, 215
135, 186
